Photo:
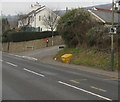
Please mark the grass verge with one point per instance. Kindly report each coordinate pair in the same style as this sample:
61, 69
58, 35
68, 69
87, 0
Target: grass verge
89, 57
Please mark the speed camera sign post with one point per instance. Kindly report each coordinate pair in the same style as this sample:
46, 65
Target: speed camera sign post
112, 33
113, 30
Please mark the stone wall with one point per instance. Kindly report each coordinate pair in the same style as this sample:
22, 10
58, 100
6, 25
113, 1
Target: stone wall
16, 47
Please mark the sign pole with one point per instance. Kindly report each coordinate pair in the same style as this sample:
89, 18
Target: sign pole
112, 44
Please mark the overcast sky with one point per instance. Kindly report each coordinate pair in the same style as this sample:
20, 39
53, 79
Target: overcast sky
14, 7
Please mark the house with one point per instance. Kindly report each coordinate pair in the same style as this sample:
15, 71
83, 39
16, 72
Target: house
37, 17
104, 14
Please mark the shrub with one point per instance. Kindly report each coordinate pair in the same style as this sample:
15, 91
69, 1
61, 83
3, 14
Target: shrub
99, 37
74, 25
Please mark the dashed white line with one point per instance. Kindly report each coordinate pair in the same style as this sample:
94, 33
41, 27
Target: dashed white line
11, 64
1, 60
11, 54
105, 98
30, 58
33, 72
17, 56
27, 57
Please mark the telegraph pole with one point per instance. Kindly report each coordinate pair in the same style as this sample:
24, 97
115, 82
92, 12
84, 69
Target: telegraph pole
112, 43
118, 35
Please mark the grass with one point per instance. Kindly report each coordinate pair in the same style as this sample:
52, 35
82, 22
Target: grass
89, 57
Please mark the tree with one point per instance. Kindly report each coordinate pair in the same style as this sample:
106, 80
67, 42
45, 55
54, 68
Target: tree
50, 21
21, 18
74, 25
5, 25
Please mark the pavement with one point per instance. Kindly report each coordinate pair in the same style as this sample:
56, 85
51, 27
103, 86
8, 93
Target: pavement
46, 55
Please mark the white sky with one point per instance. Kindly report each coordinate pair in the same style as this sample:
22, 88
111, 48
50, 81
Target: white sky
13, 7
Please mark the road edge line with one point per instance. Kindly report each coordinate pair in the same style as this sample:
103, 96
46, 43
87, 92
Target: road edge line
85, 91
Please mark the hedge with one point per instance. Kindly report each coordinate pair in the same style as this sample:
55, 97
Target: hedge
26, 36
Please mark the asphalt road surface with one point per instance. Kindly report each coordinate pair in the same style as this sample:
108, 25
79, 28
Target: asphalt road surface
25, 79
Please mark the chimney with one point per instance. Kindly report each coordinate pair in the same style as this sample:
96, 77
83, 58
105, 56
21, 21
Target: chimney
35, 7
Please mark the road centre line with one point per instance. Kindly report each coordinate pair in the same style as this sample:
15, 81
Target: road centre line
105, 98
80, 79
113, 79
12, 64
75, 81
93, 87
33, 72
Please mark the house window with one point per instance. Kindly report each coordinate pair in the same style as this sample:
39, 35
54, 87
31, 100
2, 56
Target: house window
39, 18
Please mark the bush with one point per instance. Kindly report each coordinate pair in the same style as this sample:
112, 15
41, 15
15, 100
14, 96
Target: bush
99, 37
26, 36
74, 25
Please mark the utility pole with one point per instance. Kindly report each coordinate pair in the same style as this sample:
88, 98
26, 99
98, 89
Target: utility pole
118, 35
112, 43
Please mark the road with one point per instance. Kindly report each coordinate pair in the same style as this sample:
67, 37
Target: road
25, 79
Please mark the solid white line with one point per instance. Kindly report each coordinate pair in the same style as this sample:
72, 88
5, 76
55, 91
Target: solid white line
11, 64
85, 91
33, 72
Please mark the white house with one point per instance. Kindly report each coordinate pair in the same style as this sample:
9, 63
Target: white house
37, 17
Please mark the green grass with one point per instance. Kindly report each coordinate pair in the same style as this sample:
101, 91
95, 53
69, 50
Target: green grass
89, 57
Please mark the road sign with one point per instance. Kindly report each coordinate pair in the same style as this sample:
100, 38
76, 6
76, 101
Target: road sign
113, 30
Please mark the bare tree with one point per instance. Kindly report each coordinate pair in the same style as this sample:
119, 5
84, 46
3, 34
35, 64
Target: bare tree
50, 21
21, 18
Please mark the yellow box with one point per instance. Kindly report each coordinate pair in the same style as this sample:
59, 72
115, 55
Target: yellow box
66, 58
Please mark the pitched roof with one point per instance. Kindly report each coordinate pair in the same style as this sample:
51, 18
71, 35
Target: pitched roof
103, 6
34, 11
105, 15
60, 12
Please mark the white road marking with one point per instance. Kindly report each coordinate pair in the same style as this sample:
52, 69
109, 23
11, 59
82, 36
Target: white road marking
11, 54
33, 72
27, 57
11, 64
17, 56
85, 91
30, 58
1, 60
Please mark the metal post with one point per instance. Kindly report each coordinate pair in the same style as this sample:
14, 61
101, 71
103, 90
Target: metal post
52, 40
52, 37
119, 37
112, 44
